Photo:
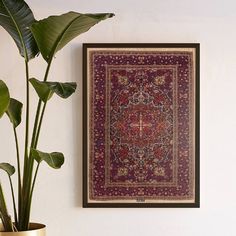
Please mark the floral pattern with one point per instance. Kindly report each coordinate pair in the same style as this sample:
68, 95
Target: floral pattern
140, 127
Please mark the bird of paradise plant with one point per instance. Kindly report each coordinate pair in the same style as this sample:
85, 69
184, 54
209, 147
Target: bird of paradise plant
32, 37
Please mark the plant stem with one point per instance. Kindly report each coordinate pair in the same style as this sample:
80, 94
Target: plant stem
40, 124
35, 176
35, 130
36, 124
47, 70
26, 209
14, 202
27, 216
30, 164
27, 124
27, 113
18, 157
36, 121
27, 212
19, 171
6, 219
31, 194
26, 183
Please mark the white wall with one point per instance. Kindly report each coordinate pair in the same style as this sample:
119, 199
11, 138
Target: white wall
58, 195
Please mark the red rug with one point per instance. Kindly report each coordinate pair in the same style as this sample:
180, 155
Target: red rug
141, 125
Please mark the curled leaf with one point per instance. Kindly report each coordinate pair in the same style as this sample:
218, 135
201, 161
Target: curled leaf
9, 169
42, 89
14, 112
54, 159
45, 90
63, 90
4, 98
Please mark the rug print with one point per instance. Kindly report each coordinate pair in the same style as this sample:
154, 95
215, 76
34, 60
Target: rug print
141, 136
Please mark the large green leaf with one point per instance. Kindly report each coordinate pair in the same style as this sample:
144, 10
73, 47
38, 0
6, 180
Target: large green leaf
14, 112
16, 18
54, 32
45, 90
4, 98
7, 168
54, 159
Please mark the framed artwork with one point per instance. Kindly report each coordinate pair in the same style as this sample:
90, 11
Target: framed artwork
141, 125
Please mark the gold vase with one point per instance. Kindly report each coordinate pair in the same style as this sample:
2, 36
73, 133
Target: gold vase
35, 230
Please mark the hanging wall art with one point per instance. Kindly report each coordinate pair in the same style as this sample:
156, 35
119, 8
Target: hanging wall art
141, 125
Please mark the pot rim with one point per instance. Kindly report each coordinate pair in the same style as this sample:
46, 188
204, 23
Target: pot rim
33, 226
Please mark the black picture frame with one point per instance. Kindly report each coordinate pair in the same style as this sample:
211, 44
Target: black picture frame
104, 204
